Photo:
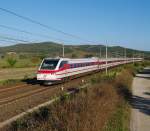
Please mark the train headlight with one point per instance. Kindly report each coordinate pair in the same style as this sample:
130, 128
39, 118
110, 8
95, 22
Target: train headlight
44, 76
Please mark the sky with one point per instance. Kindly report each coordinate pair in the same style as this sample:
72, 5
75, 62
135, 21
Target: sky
113, 22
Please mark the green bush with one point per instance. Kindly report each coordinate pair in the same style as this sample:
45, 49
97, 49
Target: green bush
11, 62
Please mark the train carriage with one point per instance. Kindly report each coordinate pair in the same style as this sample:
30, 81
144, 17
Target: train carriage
54, 70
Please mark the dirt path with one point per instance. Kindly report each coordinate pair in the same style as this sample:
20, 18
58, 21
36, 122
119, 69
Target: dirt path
140, 114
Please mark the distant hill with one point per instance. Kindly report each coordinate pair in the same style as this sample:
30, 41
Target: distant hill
54, 49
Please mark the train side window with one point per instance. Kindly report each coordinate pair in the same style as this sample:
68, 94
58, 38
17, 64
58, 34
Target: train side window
71, 66
62, 64
76, 65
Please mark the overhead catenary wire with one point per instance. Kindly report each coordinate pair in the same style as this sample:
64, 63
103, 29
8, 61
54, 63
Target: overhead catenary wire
44, 25
31, 33
14, 39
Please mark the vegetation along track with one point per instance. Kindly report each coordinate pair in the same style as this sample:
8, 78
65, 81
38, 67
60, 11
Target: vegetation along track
8, 95
14, 102
21, 98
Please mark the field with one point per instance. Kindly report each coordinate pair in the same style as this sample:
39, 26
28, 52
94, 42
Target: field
17, 73
15, 68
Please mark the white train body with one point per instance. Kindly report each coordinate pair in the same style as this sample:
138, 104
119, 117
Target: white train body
53, 69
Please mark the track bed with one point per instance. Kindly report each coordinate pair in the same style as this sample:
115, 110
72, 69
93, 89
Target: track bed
19, 98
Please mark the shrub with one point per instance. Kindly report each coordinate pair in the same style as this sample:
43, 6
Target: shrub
123, 83
103, 77
9, 82
19, 124
42, 114
11, 62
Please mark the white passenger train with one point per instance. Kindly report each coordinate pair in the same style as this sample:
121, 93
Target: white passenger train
54, 70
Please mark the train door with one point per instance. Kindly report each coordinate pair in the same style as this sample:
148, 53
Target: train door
64, 67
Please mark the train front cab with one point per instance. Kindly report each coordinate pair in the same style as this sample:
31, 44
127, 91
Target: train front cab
49, 70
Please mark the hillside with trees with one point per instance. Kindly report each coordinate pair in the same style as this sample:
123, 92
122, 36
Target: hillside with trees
75, 51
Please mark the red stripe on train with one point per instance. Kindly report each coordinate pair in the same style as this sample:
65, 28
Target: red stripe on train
49, 71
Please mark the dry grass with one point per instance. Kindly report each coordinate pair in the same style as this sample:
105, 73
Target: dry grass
120, 120
92, 109
85, 111
16, 73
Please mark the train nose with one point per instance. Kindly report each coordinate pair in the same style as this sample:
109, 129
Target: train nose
45, 76
41, 76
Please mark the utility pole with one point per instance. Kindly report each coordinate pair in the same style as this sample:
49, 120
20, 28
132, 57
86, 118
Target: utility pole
106, 57
100, 53
99, 56
63, 51
125, 55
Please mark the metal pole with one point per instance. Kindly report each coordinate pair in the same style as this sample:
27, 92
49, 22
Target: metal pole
133, 57
99, 56
125, 54
100, 53
63, 51
106, 57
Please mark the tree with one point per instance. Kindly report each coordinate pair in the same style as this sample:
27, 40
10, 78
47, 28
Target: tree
11, 61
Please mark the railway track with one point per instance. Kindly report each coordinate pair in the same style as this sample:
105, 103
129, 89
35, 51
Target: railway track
20, 96
40, 90
17, 97
12, 88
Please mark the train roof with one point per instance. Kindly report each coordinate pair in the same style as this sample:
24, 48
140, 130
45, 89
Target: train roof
87, 59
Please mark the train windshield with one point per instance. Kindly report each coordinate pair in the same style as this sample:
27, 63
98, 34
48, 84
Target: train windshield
49, 64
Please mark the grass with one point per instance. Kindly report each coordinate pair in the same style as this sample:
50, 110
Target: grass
82, 111
9, 82
103, 106
16, 74
20, 63
120, 119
